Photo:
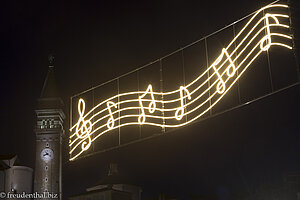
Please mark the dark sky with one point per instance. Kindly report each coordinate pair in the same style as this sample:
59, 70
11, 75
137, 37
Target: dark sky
95, 41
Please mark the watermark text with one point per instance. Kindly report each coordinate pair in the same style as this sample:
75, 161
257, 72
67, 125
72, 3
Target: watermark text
24, 195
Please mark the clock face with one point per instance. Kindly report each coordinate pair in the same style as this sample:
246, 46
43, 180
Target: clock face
47, 154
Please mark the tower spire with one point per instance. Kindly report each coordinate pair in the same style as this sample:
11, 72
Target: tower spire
51, 60
50, 87
50, 96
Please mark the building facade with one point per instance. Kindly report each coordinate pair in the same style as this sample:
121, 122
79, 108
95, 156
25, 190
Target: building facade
14, 177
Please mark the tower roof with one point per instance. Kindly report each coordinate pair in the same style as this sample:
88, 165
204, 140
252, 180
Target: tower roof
7, 161
111, 179
113, 176
50, 87
50, 98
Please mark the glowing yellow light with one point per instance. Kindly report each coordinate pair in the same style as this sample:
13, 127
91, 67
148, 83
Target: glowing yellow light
83, 126
151, 107
105, 120
181, 108
110, 121
221, 84
267, 38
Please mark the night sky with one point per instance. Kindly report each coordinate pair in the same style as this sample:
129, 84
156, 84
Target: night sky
94, 41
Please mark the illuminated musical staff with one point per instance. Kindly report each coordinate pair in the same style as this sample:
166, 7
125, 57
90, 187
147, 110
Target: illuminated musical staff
256, 38
152, 104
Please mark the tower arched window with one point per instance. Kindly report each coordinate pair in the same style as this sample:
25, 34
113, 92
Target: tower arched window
51, 123
43, 123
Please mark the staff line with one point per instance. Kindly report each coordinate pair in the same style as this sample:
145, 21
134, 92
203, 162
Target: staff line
151, 116
141, 92
194, 99
86, 132
171, 126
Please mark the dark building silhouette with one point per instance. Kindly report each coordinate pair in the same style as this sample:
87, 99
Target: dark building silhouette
111, 187
292, 185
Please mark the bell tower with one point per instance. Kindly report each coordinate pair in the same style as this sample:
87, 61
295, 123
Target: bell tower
49, 134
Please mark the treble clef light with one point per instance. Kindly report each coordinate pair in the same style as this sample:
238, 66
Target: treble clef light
83, 127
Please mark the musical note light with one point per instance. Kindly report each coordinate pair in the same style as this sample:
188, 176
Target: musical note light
230, 70
151, 107
110, 121
181, 108
247, 50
